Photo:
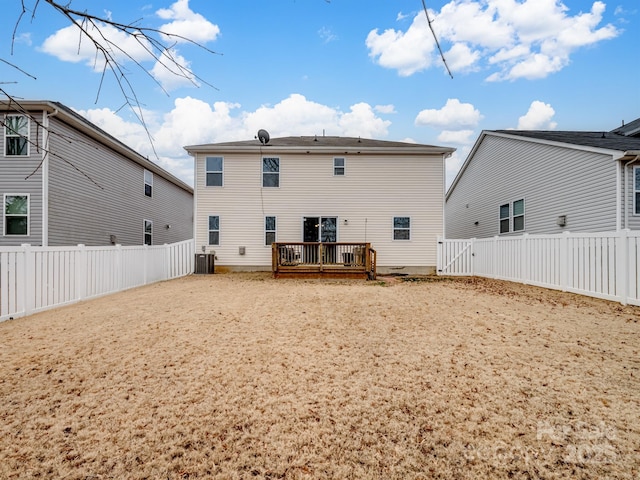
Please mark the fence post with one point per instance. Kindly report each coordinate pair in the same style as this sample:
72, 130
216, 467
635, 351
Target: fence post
525, 257
168, 266
472, 256
622, 267
28, 279
438, 254
120, 274
494, 257
565, 261
145, 259
81, 272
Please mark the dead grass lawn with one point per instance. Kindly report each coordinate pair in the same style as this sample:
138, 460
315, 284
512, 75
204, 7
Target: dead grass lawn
242, 376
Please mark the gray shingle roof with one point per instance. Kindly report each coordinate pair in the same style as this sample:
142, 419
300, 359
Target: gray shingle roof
606, 140
321, 142
629, 129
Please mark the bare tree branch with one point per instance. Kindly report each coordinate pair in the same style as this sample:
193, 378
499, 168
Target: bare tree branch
156, 43
14, 105
429, 21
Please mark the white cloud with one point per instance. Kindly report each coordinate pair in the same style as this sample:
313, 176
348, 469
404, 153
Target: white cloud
539, 117
453, 114
408, 52
173, 71
461, 137
187, 24
361, 121
457, 121
515, 38
193, 121
385, 108
453, 164
70, 45
24, 38
327, 35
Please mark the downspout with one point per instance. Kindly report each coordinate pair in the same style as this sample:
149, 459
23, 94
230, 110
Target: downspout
626, 195
444, 192
45, 175
619, 201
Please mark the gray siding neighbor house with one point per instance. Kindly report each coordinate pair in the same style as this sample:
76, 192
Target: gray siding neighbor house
64, 181
319, 188
547, 182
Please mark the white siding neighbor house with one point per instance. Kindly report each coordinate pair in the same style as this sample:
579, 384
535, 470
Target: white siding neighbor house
64, 181
547, 182
250, 194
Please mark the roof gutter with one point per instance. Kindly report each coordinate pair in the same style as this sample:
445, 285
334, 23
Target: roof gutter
46, 115
265, 149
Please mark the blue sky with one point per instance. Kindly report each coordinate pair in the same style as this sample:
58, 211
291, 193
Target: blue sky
342, 67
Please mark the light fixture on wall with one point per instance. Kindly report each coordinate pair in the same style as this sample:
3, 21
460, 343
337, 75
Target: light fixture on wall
167, 226
346, 221
562, 220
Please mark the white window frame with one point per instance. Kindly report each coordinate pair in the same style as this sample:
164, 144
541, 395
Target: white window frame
267, 231
400, 229
636, 189
27, 136
144, 232
511, 218
514, 216
210, 230
276, 174
5, 215
148, 181
220, 172
339, 168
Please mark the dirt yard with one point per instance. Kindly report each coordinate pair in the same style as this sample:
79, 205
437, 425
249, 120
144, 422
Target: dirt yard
243, 376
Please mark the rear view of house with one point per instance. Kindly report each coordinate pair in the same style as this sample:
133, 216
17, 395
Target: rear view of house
64, 181
250, 194
547, 182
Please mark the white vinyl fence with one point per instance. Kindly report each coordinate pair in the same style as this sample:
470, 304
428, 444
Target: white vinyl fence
603, 265
37, 278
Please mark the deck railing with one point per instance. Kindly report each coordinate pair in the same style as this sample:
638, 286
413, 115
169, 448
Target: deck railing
320, 258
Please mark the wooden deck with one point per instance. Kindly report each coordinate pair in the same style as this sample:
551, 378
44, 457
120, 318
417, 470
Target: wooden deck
317, 260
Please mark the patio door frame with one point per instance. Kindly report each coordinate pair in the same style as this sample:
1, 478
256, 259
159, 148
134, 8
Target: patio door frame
312, 226
318, 223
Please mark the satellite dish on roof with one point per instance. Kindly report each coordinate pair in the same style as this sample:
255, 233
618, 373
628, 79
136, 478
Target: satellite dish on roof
263, 136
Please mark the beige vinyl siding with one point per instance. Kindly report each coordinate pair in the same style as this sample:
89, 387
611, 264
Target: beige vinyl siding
13, 173
552, 180
373, 191
82, 212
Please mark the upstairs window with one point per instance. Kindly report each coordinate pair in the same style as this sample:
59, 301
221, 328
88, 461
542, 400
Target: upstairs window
270, 172
214, 171
505, 216
518, 215
338, 166
148, 183
402, 228
16, 214
214, 230
148, 232
636, 190
269, 230
512, 217
16, 135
